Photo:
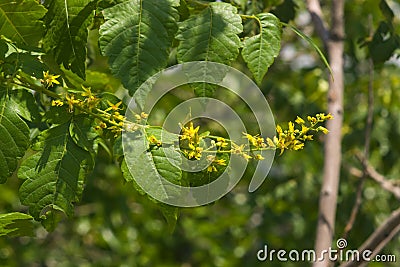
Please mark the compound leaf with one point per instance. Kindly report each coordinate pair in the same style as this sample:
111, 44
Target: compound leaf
137, 36
54, 176
259, 51
14, 137
20, 21
66, 34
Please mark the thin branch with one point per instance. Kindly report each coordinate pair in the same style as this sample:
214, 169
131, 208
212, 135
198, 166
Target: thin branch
386, 184
379, 238
314, 8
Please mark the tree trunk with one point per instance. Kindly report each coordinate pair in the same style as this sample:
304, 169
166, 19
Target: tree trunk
332, 153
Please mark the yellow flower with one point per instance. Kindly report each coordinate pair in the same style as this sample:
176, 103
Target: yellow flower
297, 145
299, 120
113, 107
195, 153
57, 103
153, 140
291, 127
115, 129
279, 129
256, 140
246, 156
118, 116
251, 139
237, 149
211, 168
329, 116
71, 102
90, 99
312, 119
144, 115
221, 142
259, 157
322, 129
190, 132
49, 79
304, 129
270, 142
308, 137
87, 92
221, 162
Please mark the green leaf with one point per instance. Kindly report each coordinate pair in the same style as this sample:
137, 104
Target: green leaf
204, 177
211, 36
170, 213
14, 137
24, 104
16, 224
20, 21
386, 10
3, 49
66, 35
259, 51
29, 64
54, 176
58, 115
384, 43
83, 133
137, 36
150, 163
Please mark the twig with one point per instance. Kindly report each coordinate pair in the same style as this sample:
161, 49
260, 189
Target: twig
386, 184
378, 239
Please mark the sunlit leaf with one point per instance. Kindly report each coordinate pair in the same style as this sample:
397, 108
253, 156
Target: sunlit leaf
14, 136
66, 34
210, 36
259, 51
20, 21
16, 224
137, 36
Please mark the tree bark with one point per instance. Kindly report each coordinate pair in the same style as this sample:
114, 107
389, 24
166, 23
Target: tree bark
332, 150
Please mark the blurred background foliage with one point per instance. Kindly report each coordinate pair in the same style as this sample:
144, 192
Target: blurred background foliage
116, 226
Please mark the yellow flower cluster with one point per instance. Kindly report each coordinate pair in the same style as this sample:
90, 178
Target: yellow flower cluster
91, 100
113, 117
191, 141
256, 141
294, 137
109, 118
